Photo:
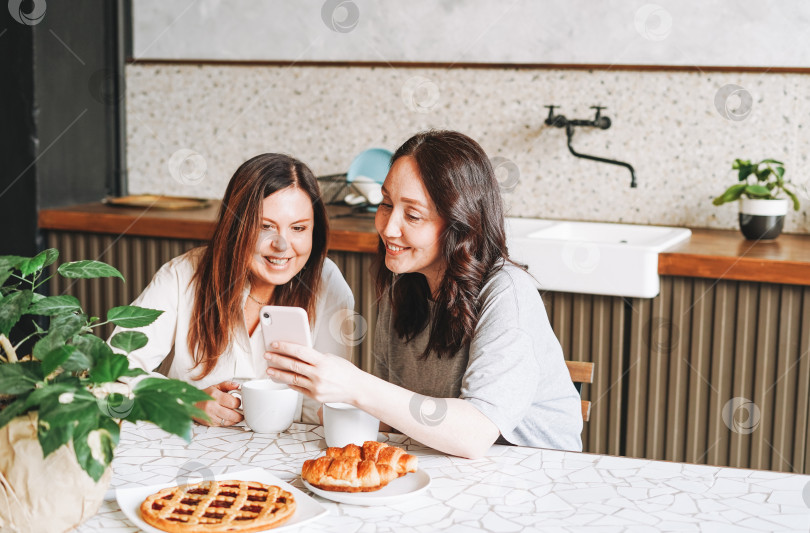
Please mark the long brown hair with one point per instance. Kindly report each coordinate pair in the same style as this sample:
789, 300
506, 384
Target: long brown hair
461, 182
222, 271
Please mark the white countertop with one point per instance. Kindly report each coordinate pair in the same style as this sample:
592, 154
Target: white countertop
512, 489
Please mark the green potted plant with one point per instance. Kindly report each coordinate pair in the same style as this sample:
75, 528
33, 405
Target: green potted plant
61, 405
759, 190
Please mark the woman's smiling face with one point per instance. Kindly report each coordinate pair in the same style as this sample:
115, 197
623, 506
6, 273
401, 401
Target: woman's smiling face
285, 240
409, 224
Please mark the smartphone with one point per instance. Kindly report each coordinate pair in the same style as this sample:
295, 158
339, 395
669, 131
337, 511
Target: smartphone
285, 324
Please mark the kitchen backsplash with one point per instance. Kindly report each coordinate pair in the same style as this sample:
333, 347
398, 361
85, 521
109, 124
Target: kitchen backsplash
189, 127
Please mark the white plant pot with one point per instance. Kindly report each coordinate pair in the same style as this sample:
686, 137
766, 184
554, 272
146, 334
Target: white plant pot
762, 219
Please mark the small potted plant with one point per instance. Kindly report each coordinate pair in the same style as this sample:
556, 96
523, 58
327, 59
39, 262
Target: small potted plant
61, 405
759, 190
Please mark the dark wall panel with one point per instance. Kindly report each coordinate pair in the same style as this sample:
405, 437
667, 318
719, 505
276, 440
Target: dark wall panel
61, 112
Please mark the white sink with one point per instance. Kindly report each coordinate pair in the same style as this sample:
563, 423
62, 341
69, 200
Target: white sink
592, 257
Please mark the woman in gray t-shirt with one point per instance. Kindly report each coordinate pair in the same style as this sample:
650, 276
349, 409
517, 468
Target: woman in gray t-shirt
464, 353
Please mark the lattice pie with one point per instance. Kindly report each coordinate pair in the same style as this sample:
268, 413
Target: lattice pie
215, 506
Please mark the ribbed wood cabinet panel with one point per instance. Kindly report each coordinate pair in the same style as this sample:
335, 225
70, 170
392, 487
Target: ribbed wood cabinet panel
137, 258
719, 374
592, 328
359, 329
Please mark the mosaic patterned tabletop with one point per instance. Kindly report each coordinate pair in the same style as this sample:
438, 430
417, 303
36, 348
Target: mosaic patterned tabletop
511, 489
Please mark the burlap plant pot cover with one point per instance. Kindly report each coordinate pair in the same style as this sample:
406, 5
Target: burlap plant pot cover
43, 495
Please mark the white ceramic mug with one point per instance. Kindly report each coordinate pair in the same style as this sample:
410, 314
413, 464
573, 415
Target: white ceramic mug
269, 407
345, 424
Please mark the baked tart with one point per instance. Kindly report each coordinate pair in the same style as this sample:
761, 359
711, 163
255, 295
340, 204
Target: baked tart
358, 469
217, 506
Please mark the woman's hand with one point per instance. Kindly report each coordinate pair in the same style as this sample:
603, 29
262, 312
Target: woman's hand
221, 410
321, 376
461, 428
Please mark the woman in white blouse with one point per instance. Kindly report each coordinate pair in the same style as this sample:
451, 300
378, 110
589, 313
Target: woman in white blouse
268, 248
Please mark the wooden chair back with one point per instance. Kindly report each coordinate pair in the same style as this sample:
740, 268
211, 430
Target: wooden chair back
581, 372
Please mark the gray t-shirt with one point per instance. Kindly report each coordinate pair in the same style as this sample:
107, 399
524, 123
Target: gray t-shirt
513, 371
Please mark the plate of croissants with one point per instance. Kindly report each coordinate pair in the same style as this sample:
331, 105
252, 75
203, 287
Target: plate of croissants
372, 474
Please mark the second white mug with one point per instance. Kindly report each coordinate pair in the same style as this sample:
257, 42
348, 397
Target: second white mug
345, 424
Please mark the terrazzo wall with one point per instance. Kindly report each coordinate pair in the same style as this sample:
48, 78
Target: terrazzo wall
190, 126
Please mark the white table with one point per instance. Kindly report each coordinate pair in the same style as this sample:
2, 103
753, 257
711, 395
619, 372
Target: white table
512, 489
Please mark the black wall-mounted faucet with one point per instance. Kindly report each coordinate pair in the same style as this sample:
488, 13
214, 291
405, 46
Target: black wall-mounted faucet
559, 121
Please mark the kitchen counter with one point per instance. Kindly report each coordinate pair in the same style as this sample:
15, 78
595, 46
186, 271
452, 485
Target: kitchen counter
512, 488
716, 254
350, 234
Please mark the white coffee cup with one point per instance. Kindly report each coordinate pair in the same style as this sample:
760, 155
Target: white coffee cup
345, 424
269, 407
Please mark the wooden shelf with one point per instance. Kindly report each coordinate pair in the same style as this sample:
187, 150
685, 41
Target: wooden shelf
720, 254
716, 254
350, 234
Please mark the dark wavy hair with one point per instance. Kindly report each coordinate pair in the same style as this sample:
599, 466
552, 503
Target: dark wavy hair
461, 182
223, 268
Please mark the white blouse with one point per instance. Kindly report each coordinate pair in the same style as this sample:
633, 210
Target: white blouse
167, 351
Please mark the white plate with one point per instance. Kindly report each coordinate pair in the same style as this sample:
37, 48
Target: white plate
307, 508
401, 488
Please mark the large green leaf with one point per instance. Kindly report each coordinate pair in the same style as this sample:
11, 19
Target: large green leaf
94, 446
90, 348
19, 378
167, 415
10, 262
67, 404
46, 345
79, 361
7, 265
54, 305
108, 368
732, 193
757, 191
169, 404
130, 316
51, 255
61, 412
38, 262
88, 269
180, 390
12, 307
67, 325
129, 341
51, 437
41, 395
56, 357
61, 328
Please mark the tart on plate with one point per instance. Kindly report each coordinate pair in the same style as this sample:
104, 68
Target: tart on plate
218, 506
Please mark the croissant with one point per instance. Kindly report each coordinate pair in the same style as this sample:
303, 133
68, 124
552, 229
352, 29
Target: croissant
396, 458
356, 469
